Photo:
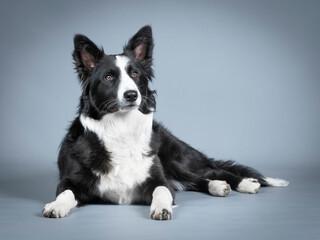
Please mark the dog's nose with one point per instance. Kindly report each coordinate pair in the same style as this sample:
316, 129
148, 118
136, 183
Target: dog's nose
130, 95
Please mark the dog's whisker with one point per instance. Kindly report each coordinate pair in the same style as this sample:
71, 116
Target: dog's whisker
108, 104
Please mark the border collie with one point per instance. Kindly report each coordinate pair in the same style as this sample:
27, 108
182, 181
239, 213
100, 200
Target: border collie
114, 152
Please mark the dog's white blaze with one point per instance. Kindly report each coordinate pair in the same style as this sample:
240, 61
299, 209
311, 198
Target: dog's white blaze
64, 202
126, 83
126, 135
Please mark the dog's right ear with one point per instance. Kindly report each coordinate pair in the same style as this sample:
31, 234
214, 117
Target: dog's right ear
86, 55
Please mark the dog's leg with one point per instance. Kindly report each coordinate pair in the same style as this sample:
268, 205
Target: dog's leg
161, 206
240, 184
217, 188
59, 208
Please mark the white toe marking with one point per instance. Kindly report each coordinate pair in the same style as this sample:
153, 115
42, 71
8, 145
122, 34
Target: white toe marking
248, 185
219, 188
161, 199
276, 182
61, 206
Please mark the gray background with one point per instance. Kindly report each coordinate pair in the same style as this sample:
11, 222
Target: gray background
236, 79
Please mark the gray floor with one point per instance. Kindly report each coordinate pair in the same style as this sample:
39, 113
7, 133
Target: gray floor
274, 213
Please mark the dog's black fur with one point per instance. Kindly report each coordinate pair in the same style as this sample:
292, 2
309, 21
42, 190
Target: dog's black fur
83, 152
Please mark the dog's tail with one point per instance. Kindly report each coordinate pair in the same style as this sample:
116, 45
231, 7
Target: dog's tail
248, 172
276, 182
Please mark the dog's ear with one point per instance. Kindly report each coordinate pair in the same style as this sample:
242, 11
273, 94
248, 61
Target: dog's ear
140, 45
86, 54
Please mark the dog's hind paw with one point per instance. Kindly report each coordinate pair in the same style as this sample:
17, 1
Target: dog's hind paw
219, 188
249, 185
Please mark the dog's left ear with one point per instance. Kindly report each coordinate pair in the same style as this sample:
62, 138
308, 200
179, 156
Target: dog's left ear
140, 45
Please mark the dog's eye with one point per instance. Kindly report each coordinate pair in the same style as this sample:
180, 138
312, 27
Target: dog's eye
108, 77
134, 74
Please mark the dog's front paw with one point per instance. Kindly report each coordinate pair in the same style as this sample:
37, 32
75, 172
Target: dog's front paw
161, 204
161, 213
61, 206
55, 210
249, 185
219, 188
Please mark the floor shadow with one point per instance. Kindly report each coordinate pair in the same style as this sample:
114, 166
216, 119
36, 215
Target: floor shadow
41, 187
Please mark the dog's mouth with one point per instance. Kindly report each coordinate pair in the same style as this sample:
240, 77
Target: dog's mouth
121, 107
129, 107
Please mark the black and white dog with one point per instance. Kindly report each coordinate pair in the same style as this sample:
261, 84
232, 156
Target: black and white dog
115, 152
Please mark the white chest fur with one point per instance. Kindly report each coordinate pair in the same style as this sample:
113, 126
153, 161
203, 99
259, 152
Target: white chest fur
126, 136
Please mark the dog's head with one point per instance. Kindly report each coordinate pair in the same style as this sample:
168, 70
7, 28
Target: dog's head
112, 83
